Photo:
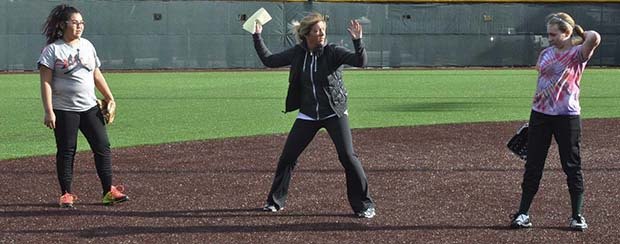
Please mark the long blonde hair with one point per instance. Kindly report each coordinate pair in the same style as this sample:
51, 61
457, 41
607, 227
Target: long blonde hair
566, 23
301, 29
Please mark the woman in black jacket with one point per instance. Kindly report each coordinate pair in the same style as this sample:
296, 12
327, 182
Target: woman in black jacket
317, 90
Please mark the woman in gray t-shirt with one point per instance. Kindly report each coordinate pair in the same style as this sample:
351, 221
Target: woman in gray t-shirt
69, 69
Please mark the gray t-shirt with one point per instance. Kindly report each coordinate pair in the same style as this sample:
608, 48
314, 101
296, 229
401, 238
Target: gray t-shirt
73, 80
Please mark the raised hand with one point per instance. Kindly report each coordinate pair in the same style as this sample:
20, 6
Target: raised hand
355, 29
258, 28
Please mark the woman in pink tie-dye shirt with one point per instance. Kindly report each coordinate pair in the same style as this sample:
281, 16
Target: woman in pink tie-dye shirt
555, 112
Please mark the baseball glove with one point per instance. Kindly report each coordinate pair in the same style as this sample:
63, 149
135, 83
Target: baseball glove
108, 110
518, 142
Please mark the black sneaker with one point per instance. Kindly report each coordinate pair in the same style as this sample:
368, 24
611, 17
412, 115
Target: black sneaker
368, 213
578, 223
272, 208
520, 221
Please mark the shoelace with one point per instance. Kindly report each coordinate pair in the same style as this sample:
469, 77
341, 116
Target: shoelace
579, 220
519, 217
117, 190
68, 197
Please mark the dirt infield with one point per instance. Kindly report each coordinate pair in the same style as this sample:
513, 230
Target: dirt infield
432, 184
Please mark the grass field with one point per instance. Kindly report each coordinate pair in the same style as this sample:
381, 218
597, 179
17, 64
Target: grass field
157, 108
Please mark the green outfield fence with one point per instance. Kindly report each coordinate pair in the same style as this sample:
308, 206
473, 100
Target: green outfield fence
207, 34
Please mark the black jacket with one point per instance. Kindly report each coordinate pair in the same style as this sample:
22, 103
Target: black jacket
328, 76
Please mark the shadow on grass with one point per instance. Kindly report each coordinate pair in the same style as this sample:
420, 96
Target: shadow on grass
433, 107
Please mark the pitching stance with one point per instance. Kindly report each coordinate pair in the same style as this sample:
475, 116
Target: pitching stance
317, 90
69, 70
555, 112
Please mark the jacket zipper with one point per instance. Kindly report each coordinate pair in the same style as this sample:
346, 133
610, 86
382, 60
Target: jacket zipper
313, 62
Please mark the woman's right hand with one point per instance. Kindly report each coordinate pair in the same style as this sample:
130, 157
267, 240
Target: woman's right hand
258, 28
50, 120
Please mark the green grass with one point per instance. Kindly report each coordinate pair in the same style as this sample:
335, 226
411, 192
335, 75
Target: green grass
167, 107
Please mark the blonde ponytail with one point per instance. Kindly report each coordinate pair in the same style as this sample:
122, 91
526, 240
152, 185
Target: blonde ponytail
580, 32
294, 27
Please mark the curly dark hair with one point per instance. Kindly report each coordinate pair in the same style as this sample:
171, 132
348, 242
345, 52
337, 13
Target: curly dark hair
56, 22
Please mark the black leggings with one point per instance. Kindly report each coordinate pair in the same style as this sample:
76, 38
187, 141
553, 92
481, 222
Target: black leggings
301, 134
91, 124
567, 132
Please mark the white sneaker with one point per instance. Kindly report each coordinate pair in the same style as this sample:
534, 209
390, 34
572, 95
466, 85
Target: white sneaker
578, 223
368, 213
521, 221
271, 208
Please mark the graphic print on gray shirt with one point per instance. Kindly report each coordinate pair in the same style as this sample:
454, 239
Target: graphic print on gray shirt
73, 83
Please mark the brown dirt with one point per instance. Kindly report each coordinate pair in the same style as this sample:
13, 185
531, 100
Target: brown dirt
432, 184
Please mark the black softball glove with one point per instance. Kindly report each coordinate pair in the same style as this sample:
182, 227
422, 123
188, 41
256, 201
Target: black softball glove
518, 143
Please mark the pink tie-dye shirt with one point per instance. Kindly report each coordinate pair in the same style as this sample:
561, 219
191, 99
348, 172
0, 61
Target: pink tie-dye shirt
559, 75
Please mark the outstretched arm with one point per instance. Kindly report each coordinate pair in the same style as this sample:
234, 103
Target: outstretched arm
269, 59
358, 57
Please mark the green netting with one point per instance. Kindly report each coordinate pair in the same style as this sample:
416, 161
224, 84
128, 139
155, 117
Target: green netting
208, 34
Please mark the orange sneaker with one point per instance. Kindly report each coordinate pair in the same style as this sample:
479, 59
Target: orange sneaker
66, 200
115, 195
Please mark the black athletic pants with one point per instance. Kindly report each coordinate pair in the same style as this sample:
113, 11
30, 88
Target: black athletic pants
301, 134
567, 132
91, 124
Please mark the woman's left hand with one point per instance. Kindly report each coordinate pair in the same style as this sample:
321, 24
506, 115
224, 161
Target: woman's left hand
355, 30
